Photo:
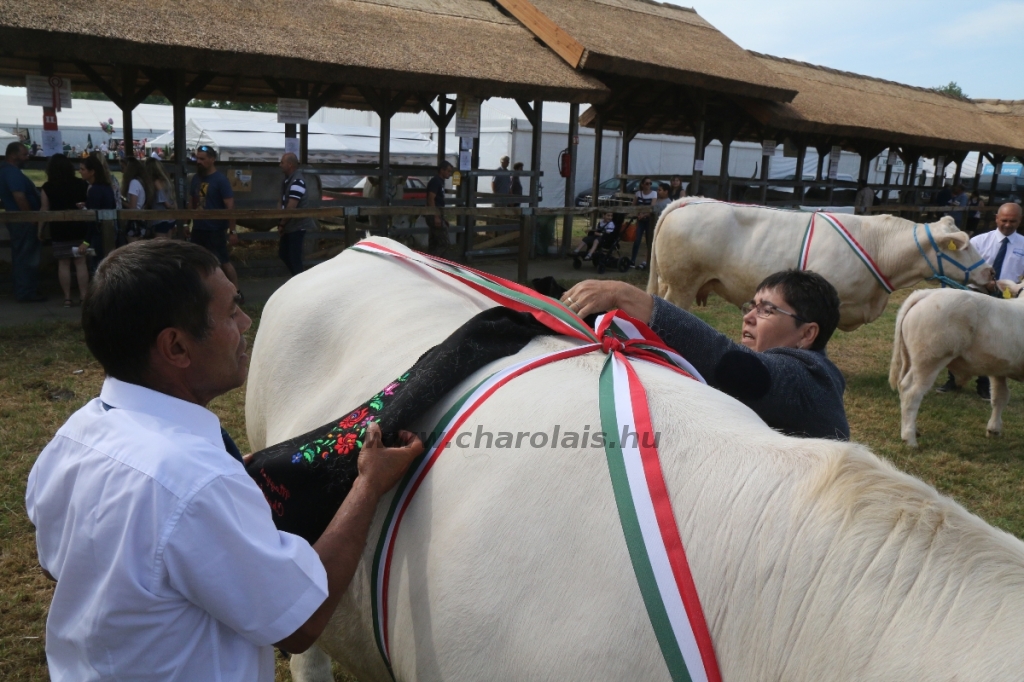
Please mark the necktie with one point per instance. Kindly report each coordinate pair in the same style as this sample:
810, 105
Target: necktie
229, 445
997, 264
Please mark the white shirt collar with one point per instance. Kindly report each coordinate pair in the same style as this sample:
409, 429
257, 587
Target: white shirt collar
189, 416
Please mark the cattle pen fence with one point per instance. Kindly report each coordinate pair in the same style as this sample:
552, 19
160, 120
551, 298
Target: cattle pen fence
355, 222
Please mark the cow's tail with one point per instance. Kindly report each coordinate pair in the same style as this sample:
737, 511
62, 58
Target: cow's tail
653, 281
900, 363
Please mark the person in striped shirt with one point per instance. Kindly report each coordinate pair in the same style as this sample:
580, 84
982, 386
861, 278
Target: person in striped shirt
293, 230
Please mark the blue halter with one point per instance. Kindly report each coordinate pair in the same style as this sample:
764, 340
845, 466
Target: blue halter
939, 274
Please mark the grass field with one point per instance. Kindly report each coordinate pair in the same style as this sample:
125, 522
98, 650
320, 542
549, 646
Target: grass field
46, 373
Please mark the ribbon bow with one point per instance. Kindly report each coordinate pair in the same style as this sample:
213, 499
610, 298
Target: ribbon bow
645, 508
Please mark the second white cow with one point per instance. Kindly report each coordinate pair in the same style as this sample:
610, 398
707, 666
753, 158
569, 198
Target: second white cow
702, 245
972, 334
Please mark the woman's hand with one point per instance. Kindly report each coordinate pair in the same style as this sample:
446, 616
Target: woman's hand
600, 296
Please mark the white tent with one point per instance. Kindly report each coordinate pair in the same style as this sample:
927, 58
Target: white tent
6, 138
250, 141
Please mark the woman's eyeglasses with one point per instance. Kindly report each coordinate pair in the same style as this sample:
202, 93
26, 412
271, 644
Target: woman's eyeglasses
766, 310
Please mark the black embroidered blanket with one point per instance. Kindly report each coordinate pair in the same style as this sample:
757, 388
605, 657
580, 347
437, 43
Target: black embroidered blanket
305, 479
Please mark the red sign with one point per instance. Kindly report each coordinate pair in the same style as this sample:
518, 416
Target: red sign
49, 118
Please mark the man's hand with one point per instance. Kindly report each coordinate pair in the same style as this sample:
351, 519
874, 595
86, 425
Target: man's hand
232, 239
600, 296
383, 467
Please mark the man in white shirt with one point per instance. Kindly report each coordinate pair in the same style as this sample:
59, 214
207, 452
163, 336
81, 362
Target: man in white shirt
167, 562
1003, 249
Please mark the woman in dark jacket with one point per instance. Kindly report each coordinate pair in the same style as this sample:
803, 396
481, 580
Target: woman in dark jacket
101, 197
63, 191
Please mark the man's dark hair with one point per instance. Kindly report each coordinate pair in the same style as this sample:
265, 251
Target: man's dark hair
444, 165
139, 290
811, 296
13, 149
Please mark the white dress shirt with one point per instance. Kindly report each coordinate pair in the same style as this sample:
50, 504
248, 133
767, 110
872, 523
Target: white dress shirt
988, 245
168, 564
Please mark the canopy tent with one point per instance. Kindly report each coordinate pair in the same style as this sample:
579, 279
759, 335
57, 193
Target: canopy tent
6, 138
251, 140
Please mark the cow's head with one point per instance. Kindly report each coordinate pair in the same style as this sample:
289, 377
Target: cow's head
955, 247
1009, 289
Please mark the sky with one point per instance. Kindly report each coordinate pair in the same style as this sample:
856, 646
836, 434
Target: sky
976, 43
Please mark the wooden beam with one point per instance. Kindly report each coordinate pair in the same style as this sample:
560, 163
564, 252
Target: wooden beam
528, 110
550, 33
197, 85
101, 83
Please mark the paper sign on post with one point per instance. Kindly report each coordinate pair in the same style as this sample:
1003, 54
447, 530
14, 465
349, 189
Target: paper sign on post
833, 162
40, 91
291, 110
698, 165
768, 148
465, 143
465, 160
241, 179
291, 144
53, 143
892, 159
467, 116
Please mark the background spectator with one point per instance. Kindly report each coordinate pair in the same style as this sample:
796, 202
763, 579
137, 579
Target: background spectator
675, 189
974, 203
18, 193
163, 198
100, 197
502, 184
211, 190
64, 191
517, 183
138, 188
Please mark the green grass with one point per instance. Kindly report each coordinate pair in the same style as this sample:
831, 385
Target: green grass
39, 389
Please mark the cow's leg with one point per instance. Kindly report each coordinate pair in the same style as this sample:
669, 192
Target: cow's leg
312, 666
1000, 397
915, 384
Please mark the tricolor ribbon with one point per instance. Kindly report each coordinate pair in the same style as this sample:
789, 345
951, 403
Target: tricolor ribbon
645, 508
859, 250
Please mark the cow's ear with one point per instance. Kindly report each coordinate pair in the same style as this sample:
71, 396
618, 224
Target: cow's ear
958, 241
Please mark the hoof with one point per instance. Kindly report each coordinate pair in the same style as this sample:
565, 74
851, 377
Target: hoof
993, 434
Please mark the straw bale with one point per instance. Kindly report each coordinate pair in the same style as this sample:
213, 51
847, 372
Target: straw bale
656, 41
420, 45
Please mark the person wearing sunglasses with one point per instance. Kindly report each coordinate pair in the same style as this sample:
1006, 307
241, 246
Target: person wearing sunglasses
779, 368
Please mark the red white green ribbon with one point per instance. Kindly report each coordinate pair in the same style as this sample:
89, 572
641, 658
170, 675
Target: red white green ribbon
864, 256
645, 509
805, 244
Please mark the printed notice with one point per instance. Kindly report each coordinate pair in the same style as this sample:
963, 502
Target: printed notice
467, 116
292, 110
40, 91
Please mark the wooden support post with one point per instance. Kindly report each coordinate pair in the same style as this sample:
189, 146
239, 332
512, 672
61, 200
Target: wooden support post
888, 179
178, 102
535, 149
304, 143
383, 188
699, 147
723, 171
442, 127
624, 161
350, 230
997, 160
129, 74
570, 182
977, 172
469, 221
598, 148
766, 162
798, 191
940, 172
525, 242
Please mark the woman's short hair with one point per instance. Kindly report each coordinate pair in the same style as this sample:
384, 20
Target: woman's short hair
139, 290
811, 296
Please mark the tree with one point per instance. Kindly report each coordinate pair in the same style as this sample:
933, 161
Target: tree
953, 90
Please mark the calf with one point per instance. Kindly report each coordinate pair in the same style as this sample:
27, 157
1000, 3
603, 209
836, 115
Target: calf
972, 334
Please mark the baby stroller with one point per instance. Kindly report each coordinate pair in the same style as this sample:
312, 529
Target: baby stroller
607, 254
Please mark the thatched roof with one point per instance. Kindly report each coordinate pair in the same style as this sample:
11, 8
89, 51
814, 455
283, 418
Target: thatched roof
1012, 107
418, 46
851, 108
642, 39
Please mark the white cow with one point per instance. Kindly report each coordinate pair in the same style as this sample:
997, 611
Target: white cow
972, 334
702, 245
813, 559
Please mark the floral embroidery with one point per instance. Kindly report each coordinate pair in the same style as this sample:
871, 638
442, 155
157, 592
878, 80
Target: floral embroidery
346, 437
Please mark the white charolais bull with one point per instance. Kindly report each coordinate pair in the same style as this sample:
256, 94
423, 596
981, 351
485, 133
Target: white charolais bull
813, 559
972, 334
703, 245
